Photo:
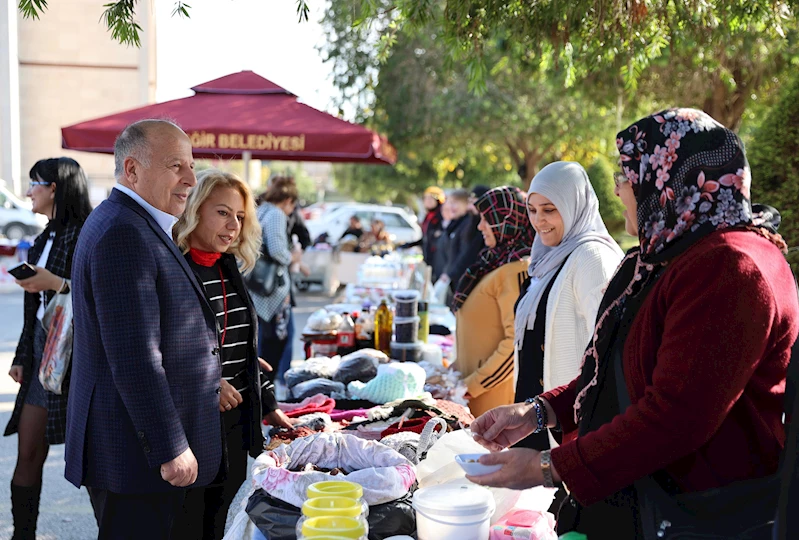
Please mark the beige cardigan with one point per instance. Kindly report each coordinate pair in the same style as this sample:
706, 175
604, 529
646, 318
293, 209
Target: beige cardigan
484, 337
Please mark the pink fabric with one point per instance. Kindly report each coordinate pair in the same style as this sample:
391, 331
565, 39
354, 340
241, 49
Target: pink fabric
338, 415
313, 404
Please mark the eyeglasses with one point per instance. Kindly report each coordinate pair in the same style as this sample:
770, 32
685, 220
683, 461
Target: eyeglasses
619, 178
37, 183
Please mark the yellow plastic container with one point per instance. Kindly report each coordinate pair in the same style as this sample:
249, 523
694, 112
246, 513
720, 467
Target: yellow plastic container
333, 507
345, 527
334, 488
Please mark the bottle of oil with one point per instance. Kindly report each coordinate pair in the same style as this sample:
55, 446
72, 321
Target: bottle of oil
383, 328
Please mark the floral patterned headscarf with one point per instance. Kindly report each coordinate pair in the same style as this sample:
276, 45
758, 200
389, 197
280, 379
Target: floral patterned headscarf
690, 177
505, 210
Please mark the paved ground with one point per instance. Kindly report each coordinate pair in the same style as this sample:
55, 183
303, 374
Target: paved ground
66, 513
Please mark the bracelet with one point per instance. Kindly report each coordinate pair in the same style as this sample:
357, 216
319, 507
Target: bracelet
540, 413
546, 469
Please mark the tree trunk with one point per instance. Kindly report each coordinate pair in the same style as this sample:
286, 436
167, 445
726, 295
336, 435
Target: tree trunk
728, 105
532, 165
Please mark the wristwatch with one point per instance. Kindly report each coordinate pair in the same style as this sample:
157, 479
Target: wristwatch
546, 469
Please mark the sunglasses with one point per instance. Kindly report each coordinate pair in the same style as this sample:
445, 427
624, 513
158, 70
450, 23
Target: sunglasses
619, 178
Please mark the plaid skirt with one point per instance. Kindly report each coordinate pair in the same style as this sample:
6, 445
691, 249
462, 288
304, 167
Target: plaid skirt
31, 392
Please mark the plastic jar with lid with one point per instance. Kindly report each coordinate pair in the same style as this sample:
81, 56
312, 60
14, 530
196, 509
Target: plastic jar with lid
335, 506
338, 488
332, 526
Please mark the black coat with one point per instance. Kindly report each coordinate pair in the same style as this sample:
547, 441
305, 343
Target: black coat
296, 225
446, 246
262, 399
60, 264
468, 245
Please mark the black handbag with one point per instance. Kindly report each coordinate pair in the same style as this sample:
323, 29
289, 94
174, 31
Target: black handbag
267, 275
740, 511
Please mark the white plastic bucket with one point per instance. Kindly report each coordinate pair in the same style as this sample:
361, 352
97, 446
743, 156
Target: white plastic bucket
453, 512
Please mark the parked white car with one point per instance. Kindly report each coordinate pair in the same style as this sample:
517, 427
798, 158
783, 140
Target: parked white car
401, 225
16, 218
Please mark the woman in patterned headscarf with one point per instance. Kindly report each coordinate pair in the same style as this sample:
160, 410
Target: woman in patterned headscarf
485, 296
682, 385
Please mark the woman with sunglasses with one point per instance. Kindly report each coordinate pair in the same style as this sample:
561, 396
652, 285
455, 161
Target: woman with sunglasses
58, 190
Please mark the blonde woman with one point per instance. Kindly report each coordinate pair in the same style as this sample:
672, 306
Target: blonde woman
221, 238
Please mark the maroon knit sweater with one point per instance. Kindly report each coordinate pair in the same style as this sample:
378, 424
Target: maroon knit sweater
705, 364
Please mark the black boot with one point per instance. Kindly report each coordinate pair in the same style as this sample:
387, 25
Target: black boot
25, 509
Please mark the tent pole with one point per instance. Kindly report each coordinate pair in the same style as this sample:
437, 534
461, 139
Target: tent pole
246, 156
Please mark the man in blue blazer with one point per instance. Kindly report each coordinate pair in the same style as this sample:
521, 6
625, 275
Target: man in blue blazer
143, 417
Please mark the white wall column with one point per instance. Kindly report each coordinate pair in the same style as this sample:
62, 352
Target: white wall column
10, 138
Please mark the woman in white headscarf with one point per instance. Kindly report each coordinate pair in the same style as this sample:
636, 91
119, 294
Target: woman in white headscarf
572, 260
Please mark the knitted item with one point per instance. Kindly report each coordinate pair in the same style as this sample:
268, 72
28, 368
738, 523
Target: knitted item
394, 381
415, 425
337, 415
313, 404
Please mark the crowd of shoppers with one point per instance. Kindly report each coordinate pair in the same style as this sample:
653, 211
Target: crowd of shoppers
651, 385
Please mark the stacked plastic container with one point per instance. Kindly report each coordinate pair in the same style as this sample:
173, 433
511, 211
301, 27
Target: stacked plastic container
334, 510
406, 346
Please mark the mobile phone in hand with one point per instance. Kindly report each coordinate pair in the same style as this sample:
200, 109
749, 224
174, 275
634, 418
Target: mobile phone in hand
23, 271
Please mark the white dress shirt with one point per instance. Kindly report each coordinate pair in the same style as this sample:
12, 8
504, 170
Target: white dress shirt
164, 220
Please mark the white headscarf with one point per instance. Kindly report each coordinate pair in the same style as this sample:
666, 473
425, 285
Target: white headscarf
566, 184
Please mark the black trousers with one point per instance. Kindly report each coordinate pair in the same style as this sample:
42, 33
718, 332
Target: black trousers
270, 346
205, 509
123, 516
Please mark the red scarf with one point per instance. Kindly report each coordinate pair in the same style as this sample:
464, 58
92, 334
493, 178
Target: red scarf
204, 258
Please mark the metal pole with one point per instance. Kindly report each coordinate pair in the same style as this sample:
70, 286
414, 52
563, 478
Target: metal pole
246, 156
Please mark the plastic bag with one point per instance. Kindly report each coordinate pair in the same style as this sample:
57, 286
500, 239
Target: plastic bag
356, 367
317, 386
277, 520
383, 473
314, 368
394, 381
57, 321
322, 320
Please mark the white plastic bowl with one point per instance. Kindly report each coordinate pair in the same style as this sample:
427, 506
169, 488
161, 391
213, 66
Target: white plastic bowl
468, 463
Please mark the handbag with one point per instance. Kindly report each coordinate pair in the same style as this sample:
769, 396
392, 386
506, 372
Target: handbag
740, 511
267, 275
57, 322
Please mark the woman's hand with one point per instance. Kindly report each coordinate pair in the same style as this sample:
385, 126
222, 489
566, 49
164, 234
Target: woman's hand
504, 426
521, 469
44, 280
229, 397
16, 373
278, 418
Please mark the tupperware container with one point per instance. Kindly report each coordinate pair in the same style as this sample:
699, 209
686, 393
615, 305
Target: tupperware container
406, 303
345, 527
406, 329
406, 352
453, 512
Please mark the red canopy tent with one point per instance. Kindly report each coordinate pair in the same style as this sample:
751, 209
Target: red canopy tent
244, 116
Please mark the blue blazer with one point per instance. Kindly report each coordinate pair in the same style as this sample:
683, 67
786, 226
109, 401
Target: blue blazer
145, 367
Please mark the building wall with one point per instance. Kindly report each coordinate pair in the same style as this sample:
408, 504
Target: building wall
70, 70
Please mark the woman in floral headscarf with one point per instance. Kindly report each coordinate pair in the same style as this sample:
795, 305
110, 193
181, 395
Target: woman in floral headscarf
681, 390
485, 296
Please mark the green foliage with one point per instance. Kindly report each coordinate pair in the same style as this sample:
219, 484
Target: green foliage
726, 49
610, 207
774, 158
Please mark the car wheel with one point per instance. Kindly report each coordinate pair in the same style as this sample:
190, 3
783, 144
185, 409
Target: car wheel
303, 286
15, 231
